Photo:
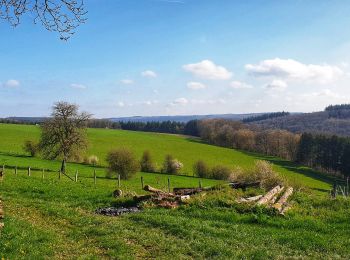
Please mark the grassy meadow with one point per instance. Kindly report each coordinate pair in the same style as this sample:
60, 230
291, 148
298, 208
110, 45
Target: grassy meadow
51, 218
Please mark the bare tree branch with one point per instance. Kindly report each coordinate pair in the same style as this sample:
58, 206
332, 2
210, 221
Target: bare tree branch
62, 16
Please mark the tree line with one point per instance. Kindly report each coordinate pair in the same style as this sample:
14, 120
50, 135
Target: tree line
265, 116
329, 153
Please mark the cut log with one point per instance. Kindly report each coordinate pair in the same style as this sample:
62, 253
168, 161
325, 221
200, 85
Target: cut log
268, 196
184, 198
250, 199
283, 200
154, 190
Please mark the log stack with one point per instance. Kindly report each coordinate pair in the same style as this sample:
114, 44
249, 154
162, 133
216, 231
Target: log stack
270, 198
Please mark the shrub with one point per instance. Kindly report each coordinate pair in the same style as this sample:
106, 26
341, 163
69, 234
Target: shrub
123, 162
92, 159
201, 169
262, 172
146, 163
171, 165
31, 147
221, 172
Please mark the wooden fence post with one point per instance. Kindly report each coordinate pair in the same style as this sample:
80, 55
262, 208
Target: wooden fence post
142, 182
76, 176
42, 174
118, 180
28, 171
169, 184
94, 176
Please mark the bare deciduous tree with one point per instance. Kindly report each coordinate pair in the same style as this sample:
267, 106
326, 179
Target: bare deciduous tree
64, 134
62, 16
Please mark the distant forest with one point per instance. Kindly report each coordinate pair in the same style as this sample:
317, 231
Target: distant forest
265, 116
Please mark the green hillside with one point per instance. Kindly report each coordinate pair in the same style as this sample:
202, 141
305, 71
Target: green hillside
51, 218
187, 150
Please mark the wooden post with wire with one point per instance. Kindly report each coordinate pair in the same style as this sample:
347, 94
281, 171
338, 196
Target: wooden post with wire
76, 176
29, 171
169, 184
95, 176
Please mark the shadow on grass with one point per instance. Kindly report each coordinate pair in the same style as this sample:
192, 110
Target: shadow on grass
294, 167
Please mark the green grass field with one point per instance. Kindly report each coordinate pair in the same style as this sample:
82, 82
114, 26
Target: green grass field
50, 218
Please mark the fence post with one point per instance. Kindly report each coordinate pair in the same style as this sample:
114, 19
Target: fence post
169, 184
28, 171
76, 176
118, 180
42, 175
95, 176
15, 170
142, 183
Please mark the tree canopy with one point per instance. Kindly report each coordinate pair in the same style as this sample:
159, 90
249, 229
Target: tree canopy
62, 16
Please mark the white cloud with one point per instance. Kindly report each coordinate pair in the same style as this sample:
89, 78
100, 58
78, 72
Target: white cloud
120, 104
290, 69
208, 101
150, 102
149, 74
240, 85
12, 83
179, 101
127, 81
277, 84
195, 85
323, 93
207, 69
78, 86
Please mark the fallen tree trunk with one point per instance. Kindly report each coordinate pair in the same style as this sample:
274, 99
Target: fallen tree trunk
283, 200
268, 196
154, 190
250, 199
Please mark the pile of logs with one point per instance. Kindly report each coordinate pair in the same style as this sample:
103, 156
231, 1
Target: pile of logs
274, 198
166, 199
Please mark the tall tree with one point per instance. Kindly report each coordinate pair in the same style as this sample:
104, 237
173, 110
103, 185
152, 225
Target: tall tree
64, 134
62, 16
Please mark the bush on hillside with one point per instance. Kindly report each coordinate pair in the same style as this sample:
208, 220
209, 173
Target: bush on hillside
171, 165
31, 147
262, 172
122, 161
201, 169
221, 172
92, 159
146, 163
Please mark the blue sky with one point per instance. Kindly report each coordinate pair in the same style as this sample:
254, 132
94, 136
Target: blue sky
169, 57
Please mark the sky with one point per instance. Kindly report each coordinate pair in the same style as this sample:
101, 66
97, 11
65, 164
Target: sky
181, 57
